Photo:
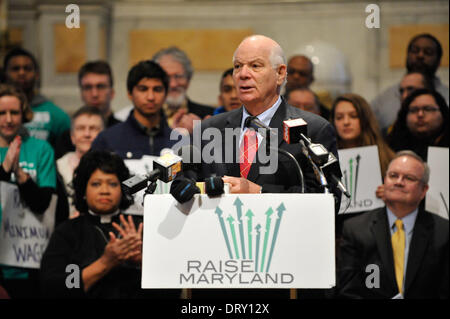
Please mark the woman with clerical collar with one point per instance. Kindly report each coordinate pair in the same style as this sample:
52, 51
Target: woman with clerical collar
98, 254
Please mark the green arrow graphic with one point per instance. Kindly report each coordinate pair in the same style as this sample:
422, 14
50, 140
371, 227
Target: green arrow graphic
258, 235
249, 231
230, 219
266, 236
280, 211
224, 231
238, 205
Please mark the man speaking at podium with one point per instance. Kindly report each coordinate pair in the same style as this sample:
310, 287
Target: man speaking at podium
259, 73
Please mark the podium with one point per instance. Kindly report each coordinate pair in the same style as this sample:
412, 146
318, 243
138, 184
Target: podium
239, 241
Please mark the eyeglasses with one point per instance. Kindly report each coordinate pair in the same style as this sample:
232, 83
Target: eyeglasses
178, 77
99, 87
292, 71
425, 109
408, 178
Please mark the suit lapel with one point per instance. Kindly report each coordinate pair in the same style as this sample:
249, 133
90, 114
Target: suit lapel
417, 248
380, 230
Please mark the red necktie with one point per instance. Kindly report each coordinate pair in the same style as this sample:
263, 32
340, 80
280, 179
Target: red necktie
249, 147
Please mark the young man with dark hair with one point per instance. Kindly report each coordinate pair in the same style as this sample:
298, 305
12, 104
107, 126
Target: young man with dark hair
145, 132
179, 110
97, 88
49, 121
96, 82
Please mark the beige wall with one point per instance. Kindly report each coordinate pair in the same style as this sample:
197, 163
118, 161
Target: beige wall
338, 24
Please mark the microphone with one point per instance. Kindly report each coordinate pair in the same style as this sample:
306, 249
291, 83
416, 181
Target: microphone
331, 169
214, 186
165, 168
255, 123
191, 161
183, 189
184, 186
295, 130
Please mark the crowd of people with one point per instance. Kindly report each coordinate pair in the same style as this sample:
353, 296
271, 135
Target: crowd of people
80, 159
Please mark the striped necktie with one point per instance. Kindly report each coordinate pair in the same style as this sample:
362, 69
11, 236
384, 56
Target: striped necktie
249, 147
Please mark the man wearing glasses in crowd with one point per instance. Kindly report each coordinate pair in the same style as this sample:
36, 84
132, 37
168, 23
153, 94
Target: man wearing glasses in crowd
96, 82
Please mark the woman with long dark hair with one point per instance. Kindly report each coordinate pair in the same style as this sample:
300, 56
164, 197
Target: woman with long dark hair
356, 126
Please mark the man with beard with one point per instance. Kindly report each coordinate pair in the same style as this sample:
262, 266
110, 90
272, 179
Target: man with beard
180, 111
49, 121
424, 56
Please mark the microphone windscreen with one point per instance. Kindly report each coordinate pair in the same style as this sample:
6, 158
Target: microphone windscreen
183, 189
214, 186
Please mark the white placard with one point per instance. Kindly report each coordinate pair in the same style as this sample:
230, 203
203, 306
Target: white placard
144, 166
23, 234
239, 241
436, 200
361, 175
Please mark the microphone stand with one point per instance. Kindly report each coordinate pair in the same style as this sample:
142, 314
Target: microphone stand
286, 153
150, 188
250, 124
297, 165
320, 176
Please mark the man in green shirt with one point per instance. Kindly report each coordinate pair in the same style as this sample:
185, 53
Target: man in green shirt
49, 121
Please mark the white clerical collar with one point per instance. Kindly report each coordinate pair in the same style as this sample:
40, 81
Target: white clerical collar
105, 218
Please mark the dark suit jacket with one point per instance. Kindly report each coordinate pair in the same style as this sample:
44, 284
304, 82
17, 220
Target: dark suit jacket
367, 240
200, 110
285, 179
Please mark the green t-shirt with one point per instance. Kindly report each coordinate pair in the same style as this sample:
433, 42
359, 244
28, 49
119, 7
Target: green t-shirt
37, 159
49, 121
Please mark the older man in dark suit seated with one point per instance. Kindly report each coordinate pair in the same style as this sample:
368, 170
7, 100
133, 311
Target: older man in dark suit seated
400, 251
